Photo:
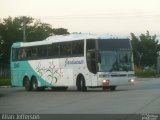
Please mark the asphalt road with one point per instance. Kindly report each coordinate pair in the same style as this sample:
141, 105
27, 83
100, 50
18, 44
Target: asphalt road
143, 97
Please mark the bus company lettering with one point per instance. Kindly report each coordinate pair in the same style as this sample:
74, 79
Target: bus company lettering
73, 62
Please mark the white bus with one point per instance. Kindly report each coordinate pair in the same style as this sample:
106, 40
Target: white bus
74, 60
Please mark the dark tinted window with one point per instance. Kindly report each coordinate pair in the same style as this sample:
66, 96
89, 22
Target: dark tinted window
19, 54
65, 49
55, 50
114, 44
32, 52
78, 48
91, 44
42, 51
50, 50
15, 54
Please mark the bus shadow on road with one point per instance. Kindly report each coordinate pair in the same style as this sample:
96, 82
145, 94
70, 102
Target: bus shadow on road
88, 91
49, 90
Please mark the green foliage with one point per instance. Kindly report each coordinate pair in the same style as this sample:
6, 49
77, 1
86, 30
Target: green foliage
146, 73
11, 30
145, 49
5, 82
1, 95
60, 31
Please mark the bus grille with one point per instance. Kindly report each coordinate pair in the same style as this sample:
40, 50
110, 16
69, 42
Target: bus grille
119, 75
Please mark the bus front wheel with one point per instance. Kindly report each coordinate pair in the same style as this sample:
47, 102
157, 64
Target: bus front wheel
27, 84
81, 84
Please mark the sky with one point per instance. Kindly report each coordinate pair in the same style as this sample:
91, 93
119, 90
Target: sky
91, 16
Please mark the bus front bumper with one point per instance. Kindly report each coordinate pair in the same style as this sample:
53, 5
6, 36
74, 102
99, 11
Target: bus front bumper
116, 81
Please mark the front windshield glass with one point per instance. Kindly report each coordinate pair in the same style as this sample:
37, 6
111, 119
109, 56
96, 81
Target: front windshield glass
116, 61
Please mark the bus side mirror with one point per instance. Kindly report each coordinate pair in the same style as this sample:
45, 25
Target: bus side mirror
94, 55
89, 55
92, 60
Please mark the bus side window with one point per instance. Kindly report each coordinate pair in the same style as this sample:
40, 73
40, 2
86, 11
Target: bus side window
91, 44
21, 53
65, 49
14, 54
50, 50
29, 53
42, 51
55, 50
34, 53
39, 52
78, 48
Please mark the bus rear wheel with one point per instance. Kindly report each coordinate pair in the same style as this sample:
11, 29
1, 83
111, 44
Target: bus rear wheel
34, 84
27, 84
81, 84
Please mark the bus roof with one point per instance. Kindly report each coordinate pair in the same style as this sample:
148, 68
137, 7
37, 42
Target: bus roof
61, 38
70, 37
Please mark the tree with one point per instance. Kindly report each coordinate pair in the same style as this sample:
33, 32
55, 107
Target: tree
60, 31
145, 49
136, 49
39, 31
11, 30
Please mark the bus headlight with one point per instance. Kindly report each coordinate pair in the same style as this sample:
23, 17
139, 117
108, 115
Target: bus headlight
131, 80
105, 82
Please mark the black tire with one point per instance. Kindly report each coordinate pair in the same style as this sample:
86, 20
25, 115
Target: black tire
34, 84
27, 84
78, 85
81, 84
112, 88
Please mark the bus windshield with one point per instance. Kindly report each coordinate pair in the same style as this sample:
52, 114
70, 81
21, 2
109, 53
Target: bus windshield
116, 61
116, 55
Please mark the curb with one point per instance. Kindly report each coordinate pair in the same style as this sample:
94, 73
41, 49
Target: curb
5, 86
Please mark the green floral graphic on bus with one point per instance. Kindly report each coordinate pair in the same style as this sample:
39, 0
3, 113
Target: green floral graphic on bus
51, 72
